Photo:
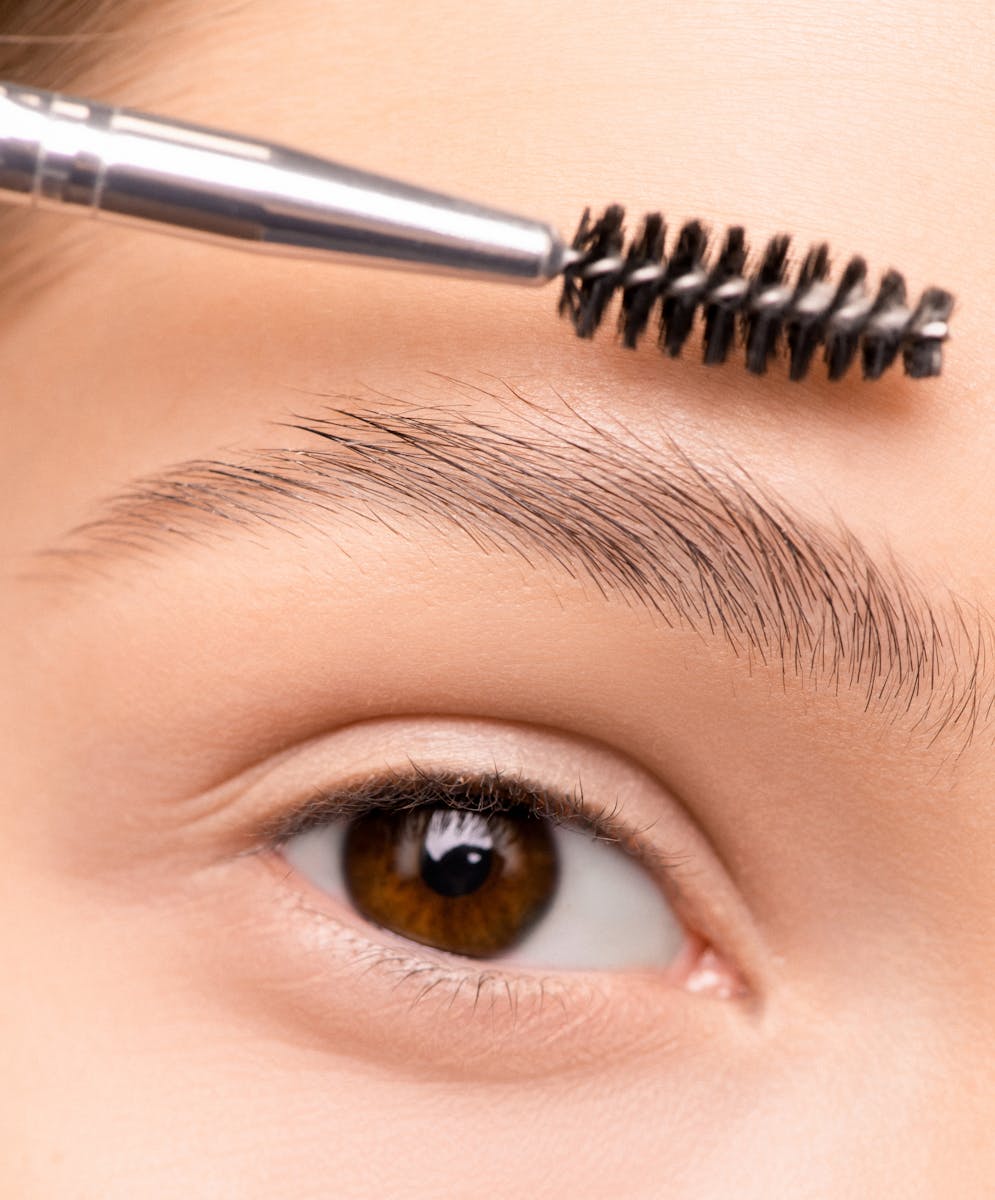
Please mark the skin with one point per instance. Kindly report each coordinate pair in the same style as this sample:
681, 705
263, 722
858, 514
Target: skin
179, 1017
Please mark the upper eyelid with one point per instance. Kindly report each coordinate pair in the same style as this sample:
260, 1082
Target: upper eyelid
386, 790
248, 815
383, 791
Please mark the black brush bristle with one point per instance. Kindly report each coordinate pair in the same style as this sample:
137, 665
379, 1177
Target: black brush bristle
922, 352
725, 290
683, 287
599, 244
813, 296
885, 327
847, 314
766, 304
643, 265
811, 311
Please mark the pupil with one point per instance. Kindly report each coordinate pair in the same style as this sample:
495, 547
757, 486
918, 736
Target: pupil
458, 872
457, 853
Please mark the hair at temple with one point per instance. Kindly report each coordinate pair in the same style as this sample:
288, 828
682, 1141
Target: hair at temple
67, 45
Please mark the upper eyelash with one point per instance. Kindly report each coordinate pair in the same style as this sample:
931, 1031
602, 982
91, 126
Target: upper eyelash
493, 791
489, 791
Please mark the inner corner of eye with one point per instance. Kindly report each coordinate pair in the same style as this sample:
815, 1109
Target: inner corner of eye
507, 885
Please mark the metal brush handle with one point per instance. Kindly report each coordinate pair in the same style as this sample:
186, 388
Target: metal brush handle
69, 154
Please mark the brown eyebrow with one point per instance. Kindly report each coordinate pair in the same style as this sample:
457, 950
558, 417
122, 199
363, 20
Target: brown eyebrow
710, 549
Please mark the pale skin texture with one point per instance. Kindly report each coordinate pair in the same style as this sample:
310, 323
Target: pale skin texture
174, 1021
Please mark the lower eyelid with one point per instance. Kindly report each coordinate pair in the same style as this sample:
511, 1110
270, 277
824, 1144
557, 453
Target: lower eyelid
351, 982
428, 1013
694, 968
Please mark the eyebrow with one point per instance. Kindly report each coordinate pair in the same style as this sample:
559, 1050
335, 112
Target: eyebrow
706, 548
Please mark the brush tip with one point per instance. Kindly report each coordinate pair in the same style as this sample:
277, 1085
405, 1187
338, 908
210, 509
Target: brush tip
763, 309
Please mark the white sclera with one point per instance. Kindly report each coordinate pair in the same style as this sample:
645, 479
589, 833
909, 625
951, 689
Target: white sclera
317, 854
607, 913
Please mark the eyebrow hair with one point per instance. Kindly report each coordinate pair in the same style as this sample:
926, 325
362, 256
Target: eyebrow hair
710, 549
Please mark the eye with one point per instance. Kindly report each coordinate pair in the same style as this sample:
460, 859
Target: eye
488, 868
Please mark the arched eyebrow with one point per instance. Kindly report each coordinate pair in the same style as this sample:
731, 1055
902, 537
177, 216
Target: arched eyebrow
711, 549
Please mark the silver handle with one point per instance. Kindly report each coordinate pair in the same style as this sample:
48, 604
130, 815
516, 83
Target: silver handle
64, 153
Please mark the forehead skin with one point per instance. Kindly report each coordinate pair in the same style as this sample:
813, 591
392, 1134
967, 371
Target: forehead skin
869, 126
822, 121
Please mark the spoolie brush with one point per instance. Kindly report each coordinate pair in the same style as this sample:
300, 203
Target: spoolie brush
80, 156
843, 317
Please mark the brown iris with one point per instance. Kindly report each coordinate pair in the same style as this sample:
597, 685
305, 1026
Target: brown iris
468, 882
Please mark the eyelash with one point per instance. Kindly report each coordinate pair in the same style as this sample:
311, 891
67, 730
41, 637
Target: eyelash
490, 793
438, 972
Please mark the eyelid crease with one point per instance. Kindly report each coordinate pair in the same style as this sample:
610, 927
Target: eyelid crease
586, 787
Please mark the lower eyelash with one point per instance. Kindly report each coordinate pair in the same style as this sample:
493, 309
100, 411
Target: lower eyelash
484, 989
427, 977
475, 991
325, 980
374, 804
